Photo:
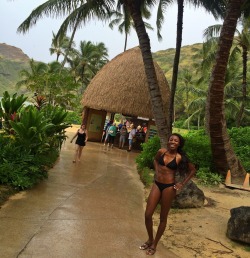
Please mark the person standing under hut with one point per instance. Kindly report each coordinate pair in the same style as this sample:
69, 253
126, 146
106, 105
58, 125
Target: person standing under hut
111, 135
123, 136
82, 137
131, 137
166, 163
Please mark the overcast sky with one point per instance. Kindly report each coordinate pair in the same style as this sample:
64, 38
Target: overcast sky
37, 41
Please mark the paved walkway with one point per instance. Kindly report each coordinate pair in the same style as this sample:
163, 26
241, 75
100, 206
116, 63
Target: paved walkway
91, 209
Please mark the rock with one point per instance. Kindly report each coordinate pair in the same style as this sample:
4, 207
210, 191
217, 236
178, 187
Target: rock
189, 197
238, 226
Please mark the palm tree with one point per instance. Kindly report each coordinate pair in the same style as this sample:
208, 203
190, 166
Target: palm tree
186, 86
87, 61
158, 111
59, 45
124, 21
33, 78
102, 9
78, 11
241, 44
216, 7
222, 151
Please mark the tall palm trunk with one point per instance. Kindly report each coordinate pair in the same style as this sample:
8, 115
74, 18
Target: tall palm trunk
126, 40
244, 86
70, 44
222, 151
176, 61
154, 90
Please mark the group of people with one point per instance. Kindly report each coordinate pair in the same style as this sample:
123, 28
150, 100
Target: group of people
167, 162
126, 131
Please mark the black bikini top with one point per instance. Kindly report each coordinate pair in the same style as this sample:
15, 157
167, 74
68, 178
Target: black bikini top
172, 164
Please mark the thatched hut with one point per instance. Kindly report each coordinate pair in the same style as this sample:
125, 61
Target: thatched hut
120, 87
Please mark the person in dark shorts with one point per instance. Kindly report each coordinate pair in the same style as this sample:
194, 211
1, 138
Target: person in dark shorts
82, 137
166, 163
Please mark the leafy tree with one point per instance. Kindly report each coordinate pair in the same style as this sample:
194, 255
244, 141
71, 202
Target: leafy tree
87, 61
81, 11
222, 151
125, 22
241, 44
9, 108
216, 7
59, 45
33, 78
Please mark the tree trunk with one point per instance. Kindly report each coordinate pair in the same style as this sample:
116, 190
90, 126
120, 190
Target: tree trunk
176, 61
126, 39
154, 90
222, 151
244, 86
70, 44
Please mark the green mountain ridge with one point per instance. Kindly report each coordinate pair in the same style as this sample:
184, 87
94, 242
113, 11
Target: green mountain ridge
188, 57
13, 60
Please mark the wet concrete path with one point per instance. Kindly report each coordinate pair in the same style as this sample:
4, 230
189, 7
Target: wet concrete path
91, 209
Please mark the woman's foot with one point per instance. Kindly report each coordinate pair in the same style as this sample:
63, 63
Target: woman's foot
74, 161
151, 251
145, 246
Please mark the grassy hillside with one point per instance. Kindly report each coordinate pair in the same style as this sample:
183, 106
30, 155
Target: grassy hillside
12, 61
165, 58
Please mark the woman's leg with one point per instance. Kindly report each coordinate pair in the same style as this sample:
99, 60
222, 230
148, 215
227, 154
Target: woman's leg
152, 202
76, 152
123, 141
80, 152
167, 197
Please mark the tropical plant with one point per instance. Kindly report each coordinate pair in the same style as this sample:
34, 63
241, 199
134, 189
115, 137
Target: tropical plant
30, 131
57, 117
77, 11
216, 7
9, 108
87, 61
81, 11
223, 154
33, 78
241, 45
124, 20
59, 45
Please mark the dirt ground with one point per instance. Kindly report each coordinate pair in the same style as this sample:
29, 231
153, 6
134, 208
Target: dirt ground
202, 232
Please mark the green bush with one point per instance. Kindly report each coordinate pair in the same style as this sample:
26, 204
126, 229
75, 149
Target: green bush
21, 169
73, 118
206, 177
31, 145
149, 150
198, 148
240, 138
146, 176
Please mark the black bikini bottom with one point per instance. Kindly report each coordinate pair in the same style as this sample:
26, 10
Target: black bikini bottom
162, 186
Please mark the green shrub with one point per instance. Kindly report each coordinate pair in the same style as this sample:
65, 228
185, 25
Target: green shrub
146, 176
206, 177
240, 138
149, 150
73, 118
198, 148
21, 169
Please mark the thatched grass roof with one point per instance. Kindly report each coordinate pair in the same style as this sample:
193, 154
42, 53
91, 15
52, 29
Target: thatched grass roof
121, 86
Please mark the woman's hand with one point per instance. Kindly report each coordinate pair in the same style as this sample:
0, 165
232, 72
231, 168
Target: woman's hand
178, 186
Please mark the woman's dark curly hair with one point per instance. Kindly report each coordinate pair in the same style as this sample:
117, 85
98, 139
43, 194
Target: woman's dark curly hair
183, 165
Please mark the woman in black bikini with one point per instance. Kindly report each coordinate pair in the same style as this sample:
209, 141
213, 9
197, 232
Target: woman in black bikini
82, 137
166, 163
